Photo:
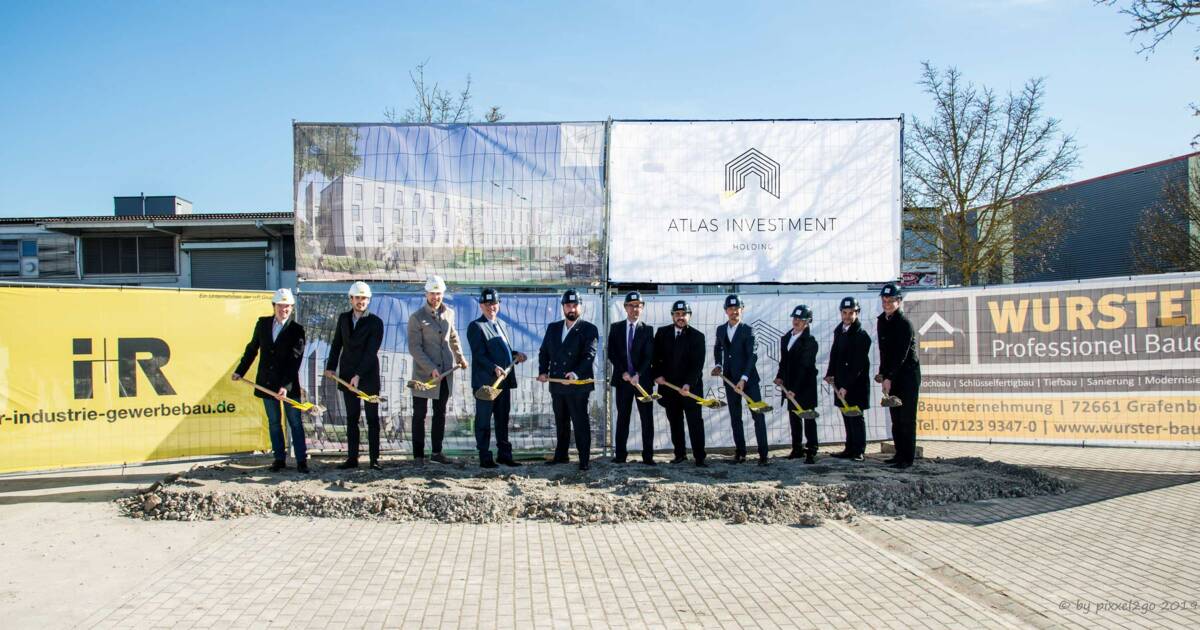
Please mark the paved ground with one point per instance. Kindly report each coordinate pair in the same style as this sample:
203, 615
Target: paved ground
1123, 550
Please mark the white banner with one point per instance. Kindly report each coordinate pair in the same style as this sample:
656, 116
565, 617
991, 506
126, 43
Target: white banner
758, 201
769, 315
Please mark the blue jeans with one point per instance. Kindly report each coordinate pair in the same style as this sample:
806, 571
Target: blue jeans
299, 449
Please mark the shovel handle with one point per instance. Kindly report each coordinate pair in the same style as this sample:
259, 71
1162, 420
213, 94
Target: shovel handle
680, 390
500, 379
271, 393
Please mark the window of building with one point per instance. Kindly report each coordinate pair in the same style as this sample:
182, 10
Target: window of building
399, 198
358, 234
416, 200
356, 213
10, 258
287, 254
29, 248
379, 195
358, 192
129, 255
396, 218
378, 214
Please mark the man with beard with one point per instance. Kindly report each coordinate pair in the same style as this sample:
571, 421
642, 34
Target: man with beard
354, 353
849, 362
568, 352
798, 378
435, 348
679, 360
899, 372
630, 347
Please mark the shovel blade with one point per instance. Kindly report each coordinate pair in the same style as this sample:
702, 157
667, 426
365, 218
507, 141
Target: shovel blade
487, 393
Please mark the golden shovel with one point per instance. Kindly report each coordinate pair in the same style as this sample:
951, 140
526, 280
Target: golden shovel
754, 405
711, 403
572, 381
891, 401
492, 392
312, 408
431, 383
644, 396
807, 414
850, 411
371, 398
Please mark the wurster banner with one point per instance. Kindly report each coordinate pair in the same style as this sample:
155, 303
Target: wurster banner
103, 376
1107, 361
755, 201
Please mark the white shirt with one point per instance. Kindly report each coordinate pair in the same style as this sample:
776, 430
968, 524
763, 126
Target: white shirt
731, 330
496, 324
567, 326
276, 328
845, 327
792, 341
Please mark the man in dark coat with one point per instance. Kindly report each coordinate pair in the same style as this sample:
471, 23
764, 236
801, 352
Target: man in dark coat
849, 363
491, 354
679, 359
798, 377
735, 351
899, 372
278, 343
568, 352
354, 353
630, 348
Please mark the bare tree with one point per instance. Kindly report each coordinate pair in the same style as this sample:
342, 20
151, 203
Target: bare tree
1157, 20
1168, 234
975, 161
435, 104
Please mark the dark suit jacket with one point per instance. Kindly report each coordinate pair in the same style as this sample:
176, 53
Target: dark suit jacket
739, 357
798, 368
643, 351
278, 360
850, 363
679, 361
356, 352
489, 351
897, 348
576, 353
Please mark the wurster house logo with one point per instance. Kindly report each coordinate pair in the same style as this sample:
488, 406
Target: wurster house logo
148, 353
756, 162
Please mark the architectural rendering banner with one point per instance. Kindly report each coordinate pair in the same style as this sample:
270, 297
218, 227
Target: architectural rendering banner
476, 204
755, 201
109, 376
1113, 361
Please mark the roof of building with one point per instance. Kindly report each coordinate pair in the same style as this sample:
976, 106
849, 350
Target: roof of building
176, 219
1132, 169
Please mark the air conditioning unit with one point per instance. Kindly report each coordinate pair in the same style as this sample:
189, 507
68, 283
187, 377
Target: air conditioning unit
29, 267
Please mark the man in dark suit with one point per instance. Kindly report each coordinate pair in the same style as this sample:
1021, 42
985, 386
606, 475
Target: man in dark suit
899, 372
568, 352
849, 363
678, 358
278, 342
354, 353
736, 354
630, 347
798, 377
491, 354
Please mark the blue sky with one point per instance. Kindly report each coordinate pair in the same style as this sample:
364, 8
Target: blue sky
115, 98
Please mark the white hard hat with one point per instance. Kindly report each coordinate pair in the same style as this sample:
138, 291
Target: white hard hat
435, 284
360, 289
283, 296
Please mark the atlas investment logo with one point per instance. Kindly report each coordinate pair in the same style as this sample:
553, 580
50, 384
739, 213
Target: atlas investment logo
756, 162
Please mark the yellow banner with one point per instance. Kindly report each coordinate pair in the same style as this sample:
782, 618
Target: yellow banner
93, 376
1133, 418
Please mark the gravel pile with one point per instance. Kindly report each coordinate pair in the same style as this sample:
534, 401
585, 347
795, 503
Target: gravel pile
787, 492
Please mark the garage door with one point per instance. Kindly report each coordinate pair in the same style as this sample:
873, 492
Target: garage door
229, 269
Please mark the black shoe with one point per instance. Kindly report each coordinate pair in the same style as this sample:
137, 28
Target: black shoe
585, 466
764, 461
700, 464
555, 462
890, 460
278, 465
376, 466
348, 464
649, 462
621, 460
810, 459
678, 460
795, 455
841, 455
302, 468
902, 465
855, 458
419, 461
439, 458
737, 459
510, 463
488, 464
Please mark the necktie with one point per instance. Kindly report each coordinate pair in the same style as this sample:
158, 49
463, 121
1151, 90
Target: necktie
629, 347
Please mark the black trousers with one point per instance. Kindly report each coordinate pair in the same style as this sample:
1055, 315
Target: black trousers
485, 412
354, 406
420, 407
735, 420
676, 412
906, 387
571, 410
802, 427
856, 434
626, 396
